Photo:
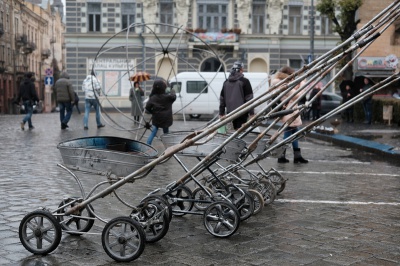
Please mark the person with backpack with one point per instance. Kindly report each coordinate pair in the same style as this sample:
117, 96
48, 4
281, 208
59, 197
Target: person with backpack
160, 107
28, 94
235, 92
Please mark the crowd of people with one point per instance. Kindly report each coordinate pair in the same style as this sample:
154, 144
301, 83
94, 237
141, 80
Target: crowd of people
236, 91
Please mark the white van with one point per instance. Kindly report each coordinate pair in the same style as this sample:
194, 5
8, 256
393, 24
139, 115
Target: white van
198, 92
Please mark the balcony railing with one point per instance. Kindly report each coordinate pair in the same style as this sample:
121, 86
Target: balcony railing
46, 53
21, 39
29, 47
21, 69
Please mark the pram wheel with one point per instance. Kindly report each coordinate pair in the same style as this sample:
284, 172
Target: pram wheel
154, 220
80, 221
178, 199
123, 239
258, 200
242, 200
221, 219
266, 188
39, 232
278, 181
202, 199
162, 202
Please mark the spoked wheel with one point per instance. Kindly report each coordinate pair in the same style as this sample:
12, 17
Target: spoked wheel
123, 239
178, 200
258, 200
278, 181
221, 219
162, 202
202, 199
79, 221
154, 220
266, 188
242, 200
39, 232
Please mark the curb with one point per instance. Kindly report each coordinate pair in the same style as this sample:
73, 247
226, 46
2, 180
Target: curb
386, 151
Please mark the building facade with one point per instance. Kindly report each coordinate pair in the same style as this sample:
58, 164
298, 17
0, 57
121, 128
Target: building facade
116, 35
31, 41
380, 59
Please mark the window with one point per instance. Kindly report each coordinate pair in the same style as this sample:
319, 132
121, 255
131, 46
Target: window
295, 20
197, 87
166, 16
213, 17
176, 86
326, 26
296, 63
128, 11
94, 16
258, 20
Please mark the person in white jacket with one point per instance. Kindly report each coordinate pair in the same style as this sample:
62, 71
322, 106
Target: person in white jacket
296, 123
91, 87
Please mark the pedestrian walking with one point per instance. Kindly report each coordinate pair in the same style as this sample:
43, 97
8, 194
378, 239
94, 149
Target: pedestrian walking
367, 102
235, 92
28, 95
135, 96
92, 88
160, 106
76, 103
293, 127
65, 98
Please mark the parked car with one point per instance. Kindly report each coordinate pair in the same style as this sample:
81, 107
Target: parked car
330, 101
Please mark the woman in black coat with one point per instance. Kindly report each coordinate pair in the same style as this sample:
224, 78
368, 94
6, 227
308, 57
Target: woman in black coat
160, 106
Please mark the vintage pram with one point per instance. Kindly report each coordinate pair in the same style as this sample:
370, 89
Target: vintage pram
124, 238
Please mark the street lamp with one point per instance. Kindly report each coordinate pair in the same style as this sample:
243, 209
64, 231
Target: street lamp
311, 56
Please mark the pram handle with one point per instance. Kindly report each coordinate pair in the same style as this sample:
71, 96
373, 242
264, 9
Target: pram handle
281, 113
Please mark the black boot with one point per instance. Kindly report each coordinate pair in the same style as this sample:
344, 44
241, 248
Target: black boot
297, 156
282, 158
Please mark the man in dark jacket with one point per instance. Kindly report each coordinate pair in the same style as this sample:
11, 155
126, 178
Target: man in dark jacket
160, 106
236, 91
65, 98
28, 95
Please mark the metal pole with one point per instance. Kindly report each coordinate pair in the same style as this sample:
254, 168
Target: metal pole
312, 33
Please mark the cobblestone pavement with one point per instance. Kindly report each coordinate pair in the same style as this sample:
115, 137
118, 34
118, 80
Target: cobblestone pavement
342, 208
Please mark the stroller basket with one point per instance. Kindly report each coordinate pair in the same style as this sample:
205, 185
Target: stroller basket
113, 155
262, 145
230, 152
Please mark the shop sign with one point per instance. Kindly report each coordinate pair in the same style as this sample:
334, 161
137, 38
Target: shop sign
377, 63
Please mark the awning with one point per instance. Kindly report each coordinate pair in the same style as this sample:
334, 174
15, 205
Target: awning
373, 74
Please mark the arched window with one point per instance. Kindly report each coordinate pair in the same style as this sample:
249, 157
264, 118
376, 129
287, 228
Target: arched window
211, 65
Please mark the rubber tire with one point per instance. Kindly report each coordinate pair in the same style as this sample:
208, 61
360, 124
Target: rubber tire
161, 201
50, 220
195, 116
244, 205
221, 215
258, 201
88, 225
199, 194
278, 181
266, 188
152, 210
181, 205
118, 223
